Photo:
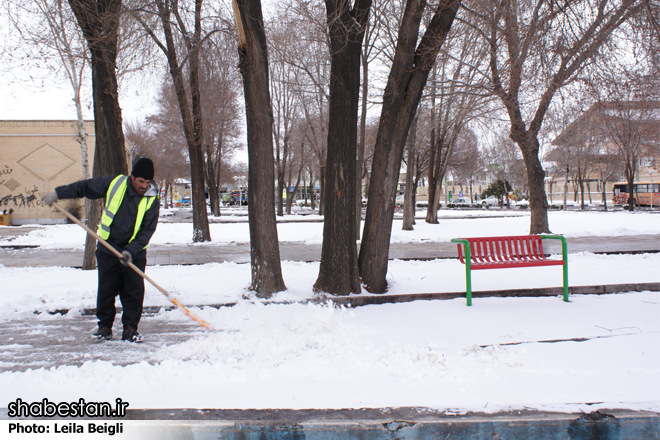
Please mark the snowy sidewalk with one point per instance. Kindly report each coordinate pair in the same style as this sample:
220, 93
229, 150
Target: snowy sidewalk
596, 352
14, 255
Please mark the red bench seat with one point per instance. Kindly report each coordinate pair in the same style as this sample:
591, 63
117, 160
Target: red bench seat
507, 252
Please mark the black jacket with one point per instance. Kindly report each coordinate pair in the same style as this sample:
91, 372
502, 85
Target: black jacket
121, 229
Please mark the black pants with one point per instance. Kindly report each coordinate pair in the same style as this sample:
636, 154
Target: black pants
117, 279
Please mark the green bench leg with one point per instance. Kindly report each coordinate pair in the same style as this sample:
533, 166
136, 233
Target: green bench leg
468, 275
565, 267
564, 255
468, 285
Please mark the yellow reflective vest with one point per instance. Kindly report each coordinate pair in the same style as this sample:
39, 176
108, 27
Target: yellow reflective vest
113, 199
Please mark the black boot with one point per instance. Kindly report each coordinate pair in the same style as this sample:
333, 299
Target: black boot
102, 333
131, 334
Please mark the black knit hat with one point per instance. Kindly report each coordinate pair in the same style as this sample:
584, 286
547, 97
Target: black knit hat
144, 168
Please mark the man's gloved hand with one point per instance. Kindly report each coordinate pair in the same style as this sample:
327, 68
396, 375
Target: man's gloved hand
126, 258
50, 198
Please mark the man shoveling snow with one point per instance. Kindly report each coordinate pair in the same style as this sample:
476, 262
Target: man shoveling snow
128, 221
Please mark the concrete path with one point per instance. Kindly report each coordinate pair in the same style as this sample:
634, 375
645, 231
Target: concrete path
292, 251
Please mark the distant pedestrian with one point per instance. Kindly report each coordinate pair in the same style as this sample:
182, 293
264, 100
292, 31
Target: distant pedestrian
128, 221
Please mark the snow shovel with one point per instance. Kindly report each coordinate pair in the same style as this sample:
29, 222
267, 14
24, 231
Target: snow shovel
169, 296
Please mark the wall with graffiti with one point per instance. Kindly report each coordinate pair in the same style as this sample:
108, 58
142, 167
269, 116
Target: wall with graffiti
36, 157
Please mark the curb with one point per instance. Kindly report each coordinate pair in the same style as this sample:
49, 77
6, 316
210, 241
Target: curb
357, 301
383, 423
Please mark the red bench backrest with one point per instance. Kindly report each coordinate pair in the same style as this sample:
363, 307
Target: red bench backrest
508, 248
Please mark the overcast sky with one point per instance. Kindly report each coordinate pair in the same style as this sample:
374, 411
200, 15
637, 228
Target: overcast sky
25, 97
37, 95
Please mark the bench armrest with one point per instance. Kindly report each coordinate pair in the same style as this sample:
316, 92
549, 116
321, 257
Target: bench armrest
564, 248
468, 251
564, 256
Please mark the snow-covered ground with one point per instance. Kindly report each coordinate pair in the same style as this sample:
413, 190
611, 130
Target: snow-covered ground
473, 223
493, 356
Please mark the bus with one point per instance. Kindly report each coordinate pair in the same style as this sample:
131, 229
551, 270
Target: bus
642, 192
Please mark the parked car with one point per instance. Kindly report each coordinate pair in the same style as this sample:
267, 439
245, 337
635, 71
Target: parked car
490, 201
461, 201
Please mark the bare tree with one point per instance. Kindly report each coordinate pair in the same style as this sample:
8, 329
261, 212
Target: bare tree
370, 52
61, 36
408, 76
253, 64
535, 49
578, 146
464, 161
220, 87
166, 148
633, 126
308, 52
99, 23
285, 93
338, 271
457, 96
171, 16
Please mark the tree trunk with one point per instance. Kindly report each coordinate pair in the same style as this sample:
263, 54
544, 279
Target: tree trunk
191, 119
604, 189
403, 92
538, 202
441, 153
99, 22
304, 189
409, 196
630, 179
338, 270
359, 162
266, 268
321, 188
312, 189
580, 180
201, 231
214, 193
431, 211
89, 258
280, 190
291, 195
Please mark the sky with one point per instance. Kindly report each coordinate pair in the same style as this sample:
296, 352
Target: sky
24, 99
36, 94
291, 353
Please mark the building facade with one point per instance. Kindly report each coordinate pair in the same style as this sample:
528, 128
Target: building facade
36, 157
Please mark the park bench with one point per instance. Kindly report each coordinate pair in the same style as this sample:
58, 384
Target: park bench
505, 252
